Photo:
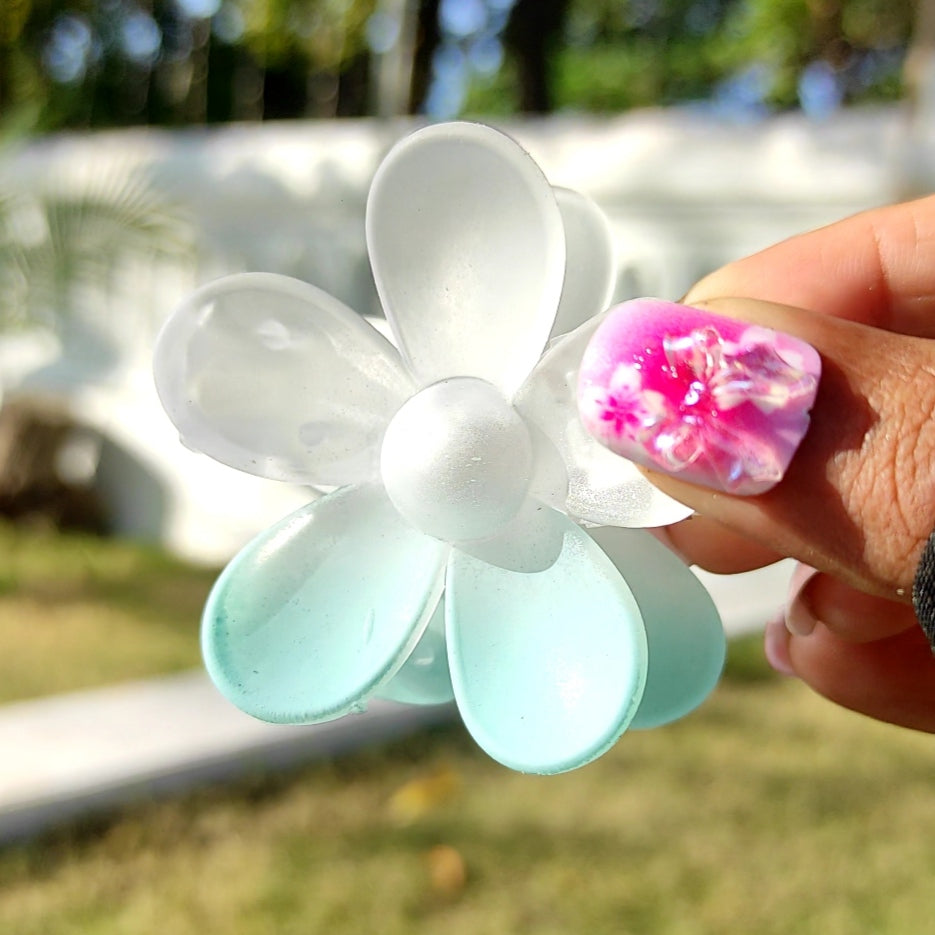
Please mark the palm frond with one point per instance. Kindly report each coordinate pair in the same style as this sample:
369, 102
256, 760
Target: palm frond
60, 243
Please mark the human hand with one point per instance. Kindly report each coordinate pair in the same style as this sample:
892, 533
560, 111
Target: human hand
857, 503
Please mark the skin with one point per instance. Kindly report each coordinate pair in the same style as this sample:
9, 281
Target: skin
858, 501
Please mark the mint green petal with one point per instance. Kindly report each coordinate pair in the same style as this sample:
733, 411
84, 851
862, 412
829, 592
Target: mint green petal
316, 613
424, 678
683, 627
547, 667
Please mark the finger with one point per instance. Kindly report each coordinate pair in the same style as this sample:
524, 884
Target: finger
858, 497
877, 267
705, 542
891, 679
818, 599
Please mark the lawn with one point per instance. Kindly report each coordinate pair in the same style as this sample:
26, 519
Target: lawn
79, 611
768, 812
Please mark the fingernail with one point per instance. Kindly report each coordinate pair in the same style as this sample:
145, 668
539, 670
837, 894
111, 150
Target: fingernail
776, 647
704, 398
799, 616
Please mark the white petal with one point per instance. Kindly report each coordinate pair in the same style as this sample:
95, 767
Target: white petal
683, 627
276, 378
316, 613
603, 488
549, 482
468, 253
531, 542
590, 261
548, 668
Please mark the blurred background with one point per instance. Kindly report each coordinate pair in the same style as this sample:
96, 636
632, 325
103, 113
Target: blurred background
104, 63
147, 146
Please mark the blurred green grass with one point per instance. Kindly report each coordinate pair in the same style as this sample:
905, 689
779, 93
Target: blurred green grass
77, 611
768, 811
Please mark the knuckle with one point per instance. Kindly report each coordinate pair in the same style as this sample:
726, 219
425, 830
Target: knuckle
895, 489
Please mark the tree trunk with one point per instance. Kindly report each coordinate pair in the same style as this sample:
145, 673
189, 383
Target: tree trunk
919, 68
531, 35
428, 37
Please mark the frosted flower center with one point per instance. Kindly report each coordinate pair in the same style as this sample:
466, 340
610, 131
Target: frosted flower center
457, 460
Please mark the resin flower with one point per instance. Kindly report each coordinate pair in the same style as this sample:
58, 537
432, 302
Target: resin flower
453, 559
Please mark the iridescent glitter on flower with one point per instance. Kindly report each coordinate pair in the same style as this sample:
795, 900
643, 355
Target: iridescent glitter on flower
452, 561
708, 398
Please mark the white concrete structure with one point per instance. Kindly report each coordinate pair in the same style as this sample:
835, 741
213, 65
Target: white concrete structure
88, 752
684, 195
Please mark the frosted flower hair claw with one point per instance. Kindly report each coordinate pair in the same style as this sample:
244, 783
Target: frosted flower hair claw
474, 545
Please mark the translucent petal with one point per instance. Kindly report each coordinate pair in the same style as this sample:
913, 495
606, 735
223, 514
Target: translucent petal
317, 612
457, 460
468, 253
549, 482
683, 627
603, 488
532, 541
275, 377
424, 678
590, 261
548, 668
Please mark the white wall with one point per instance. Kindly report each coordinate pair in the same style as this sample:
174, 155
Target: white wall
684, 195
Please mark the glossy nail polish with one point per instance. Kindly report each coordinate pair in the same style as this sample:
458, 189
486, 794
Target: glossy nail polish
799, 617
708, 399
776, 647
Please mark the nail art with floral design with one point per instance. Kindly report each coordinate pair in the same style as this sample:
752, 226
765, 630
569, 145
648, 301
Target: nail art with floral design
710, 400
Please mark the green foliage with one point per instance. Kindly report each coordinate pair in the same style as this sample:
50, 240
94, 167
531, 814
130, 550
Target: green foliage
292, 58
619, 55
327, 33
787, 35
13, 17
59, 247
196, 72
616, 77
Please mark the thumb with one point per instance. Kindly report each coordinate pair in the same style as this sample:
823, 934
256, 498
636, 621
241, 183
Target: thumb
856, 498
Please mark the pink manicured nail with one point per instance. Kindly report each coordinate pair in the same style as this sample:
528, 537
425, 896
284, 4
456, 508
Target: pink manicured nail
704, 398
776, 647
800, 621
